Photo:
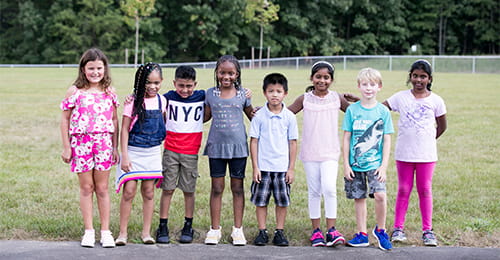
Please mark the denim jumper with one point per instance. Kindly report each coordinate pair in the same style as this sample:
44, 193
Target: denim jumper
151, 132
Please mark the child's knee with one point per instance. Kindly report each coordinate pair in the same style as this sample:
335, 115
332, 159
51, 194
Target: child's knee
380, 196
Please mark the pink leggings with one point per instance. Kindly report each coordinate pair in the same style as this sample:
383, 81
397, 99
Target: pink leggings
423, 173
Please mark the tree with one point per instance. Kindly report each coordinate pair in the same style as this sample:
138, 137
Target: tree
261, 12
137, 9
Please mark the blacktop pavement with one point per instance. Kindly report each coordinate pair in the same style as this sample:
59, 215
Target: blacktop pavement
25, 249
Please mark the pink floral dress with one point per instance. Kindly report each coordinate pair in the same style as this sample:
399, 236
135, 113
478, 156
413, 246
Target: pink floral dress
91, 128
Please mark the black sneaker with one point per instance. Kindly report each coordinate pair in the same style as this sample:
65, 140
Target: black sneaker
186, 234
162, 234
262, 238
279, 238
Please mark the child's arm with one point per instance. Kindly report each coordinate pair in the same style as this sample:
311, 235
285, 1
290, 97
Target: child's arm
441, 125
297, 105
385, 103
249, 112
346, 145
343, 102
290, 174
207, 113
116, 156
386, 152
254, 155
126, 165
66, 153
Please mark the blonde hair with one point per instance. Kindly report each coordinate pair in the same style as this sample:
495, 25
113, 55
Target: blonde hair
371, 75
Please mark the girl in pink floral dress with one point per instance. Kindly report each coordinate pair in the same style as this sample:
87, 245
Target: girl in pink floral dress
89, 131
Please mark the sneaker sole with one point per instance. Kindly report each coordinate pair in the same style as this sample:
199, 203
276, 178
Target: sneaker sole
337, 242
318, 244
398, 240
359, 245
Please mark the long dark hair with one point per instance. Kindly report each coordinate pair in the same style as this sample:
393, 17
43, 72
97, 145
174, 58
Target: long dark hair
92, 54
421, 65
318, 66
141, 77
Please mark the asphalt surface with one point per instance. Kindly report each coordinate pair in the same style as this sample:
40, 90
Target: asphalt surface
23, 249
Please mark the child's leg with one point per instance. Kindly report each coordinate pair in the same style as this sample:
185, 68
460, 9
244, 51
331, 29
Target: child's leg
329, 170
424, 174
314, 192
238, 201
128, 194
188, 204
148, 193
360, 206
280, 217
101, 180
261, 213
405, 186
86, 195
166, 199
380, 209
216, 200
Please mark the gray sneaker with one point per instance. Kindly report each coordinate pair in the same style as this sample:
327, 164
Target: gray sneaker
398, 235
429, 238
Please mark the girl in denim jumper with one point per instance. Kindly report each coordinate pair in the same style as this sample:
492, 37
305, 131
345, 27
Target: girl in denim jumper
143, 130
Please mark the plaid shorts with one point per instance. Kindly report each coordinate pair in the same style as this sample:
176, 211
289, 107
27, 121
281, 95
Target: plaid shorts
271, 181
357, 189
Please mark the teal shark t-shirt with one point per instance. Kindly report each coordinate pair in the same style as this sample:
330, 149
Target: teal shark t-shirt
368, 127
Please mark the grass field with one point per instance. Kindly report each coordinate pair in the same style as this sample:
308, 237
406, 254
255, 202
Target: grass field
39, 195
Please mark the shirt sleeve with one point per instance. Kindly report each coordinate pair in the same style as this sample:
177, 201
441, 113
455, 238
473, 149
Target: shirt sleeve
293, 130
346, 124
255, 126
388, 126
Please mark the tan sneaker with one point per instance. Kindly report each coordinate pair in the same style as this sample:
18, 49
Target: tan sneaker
238, 237
213, 236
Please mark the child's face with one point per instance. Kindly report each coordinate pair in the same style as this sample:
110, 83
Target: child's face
321, 80
153, 84
184, 87
94, 71
419, 79
275, 93
227, 74
369, 89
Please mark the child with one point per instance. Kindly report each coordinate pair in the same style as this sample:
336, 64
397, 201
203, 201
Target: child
180, 157
273, 148
366, 147
321, 149
227, 144
422, 120
143, 130
89, 131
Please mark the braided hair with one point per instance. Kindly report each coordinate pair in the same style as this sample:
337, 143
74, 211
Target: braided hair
141, 78
233, 60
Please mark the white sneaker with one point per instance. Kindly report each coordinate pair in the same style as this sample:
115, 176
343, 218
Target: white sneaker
213, 236
88, 239
238, 237
107, 239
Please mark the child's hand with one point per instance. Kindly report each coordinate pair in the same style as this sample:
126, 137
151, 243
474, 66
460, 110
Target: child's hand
126, 164
381, 174
256, 175
348, 173
116, 157
128, 99
248, 92
255, 109
66, 155
350, 97
290, 176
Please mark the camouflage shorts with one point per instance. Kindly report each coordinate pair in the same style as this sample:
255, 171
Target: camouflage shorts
357, 188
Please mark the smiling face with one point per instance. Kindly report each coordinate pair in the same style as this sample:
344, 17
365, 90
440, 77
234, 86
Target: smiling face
369, 89
153, 84
184, 87
227, 74
275, 93
321, 80
94, 72
420, 79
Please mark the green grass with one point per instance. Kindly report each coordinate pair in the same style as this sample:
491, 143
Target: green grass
39, 195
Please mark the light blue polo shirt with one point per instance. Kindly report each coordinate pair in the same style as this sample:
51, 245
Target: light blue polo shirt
273, 131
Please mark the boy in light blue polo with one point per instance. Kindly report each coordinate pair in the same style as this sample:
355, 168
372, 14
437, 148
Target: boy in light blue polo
273, 149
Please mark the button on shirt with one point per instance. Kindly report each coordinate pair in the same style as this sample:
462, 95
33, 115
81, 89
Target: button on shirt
274, 132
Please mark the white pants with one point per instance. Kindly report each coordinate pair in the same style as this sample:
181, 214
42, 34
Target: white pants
322, 180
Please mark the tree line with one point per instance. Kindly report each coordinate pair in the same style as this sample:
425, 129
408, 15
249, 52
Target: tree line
58, 31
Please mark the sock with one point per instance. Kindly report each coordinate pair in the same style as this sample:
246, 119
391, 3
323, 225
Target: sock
278, 230
163, 221
364, 234
188, 221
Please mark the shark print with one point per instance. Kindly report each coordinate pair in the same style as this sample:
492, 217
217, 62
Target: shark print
369, 140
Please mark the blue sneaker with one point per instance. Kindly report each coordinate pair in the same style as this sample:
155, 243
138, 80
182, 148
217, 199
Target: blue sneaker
317, 238
359, 240
383, 239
